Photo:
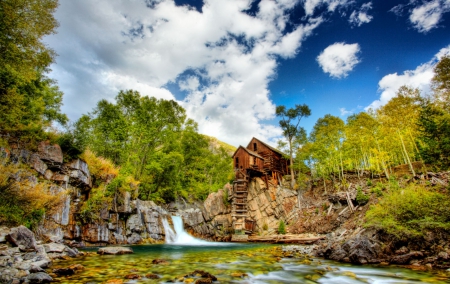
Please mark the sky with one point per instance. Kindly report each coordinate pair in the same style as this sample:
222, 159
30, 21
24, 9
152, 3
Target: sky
229, 63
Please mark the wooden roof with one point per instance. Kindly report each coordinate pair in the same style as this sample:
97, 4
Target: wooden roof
267, 145
248, 151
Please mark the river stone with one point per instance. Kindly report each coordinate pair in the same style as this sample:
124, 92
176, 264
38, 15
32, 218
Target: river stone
39, 277
43, 263
53, 247
23, 238
115, 250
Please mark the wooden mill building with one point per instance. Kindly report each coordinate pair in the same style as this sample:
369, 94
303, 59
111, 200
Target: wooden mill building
258, 159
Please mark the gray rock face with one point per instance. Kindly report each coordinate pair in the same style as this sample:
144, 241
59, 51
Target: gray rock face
79, 174
115, 250
51, 154
37, 164
23, 238
134, 239
214, 205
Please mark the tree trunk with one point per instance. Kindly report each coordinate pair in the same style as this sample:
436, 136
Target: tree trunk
291, 166
406, 154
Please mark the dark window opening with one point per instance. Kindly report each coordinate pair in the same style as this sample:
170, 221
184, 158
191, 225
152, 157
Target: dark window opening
237, 163
255, 147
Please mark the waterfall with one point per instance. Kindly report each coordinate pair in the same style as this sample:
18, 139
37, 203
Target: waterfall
180, 236
170, 234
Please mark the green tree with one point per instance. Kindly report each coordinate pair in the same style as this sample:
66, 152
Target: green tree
327, 137
29, 100
290, 124
441, 83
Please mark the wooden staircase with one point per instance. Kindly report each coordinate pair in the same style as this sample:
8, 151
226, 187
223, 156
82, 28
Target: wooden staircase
239, 201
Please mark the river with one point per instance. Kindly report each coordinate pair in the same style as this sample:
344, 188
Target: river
231, 263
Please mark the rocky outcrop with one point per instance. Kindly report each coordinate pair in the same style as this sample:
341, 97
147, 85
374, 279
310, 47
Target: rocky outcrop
268, 205
78, 173
51, 154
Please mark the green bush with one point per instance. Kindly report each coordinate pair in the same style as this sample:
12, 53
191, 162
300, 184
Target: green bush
282, 228
361, 198
410, 212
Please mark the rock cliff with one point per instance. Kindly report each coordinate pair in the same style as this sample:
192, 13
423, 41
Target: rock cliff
135, 221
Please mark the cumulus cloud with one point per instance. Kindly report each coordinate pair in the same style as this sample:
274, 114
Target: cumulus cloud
418, 78
339, 59
425, 15
222, 63
357, 18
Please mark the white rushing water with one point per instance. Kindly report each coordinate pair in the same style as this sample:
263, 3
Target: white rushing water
180, 236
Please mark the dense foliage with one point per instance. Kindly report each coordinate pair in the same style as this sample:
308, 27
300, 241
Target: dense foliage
29, 100
153, 141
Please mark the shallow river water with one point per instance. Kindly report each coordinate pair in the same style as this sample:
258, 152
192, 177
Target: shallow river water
234, 263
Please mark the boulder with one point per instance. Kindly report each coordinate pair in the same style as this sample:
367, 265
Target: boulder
23, 238
53, 247
79, 174
51, 154
359, 250
39, 277
114, 250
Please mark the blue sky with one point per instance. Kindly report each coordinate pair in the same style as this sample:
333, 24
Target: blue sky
230, 62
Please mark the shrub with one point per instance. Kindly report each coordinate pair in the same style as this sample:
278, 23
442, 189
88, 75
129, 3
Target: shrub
361, 198
410, 212
282, 228
90, 209
21, 201
99, 167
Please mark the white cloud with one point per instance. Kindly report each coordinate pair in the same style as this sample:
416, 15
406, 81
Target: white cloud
344, 111
222, 58
418, 78
339, 59
424, 15
311, 5
357, 18
427, 16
